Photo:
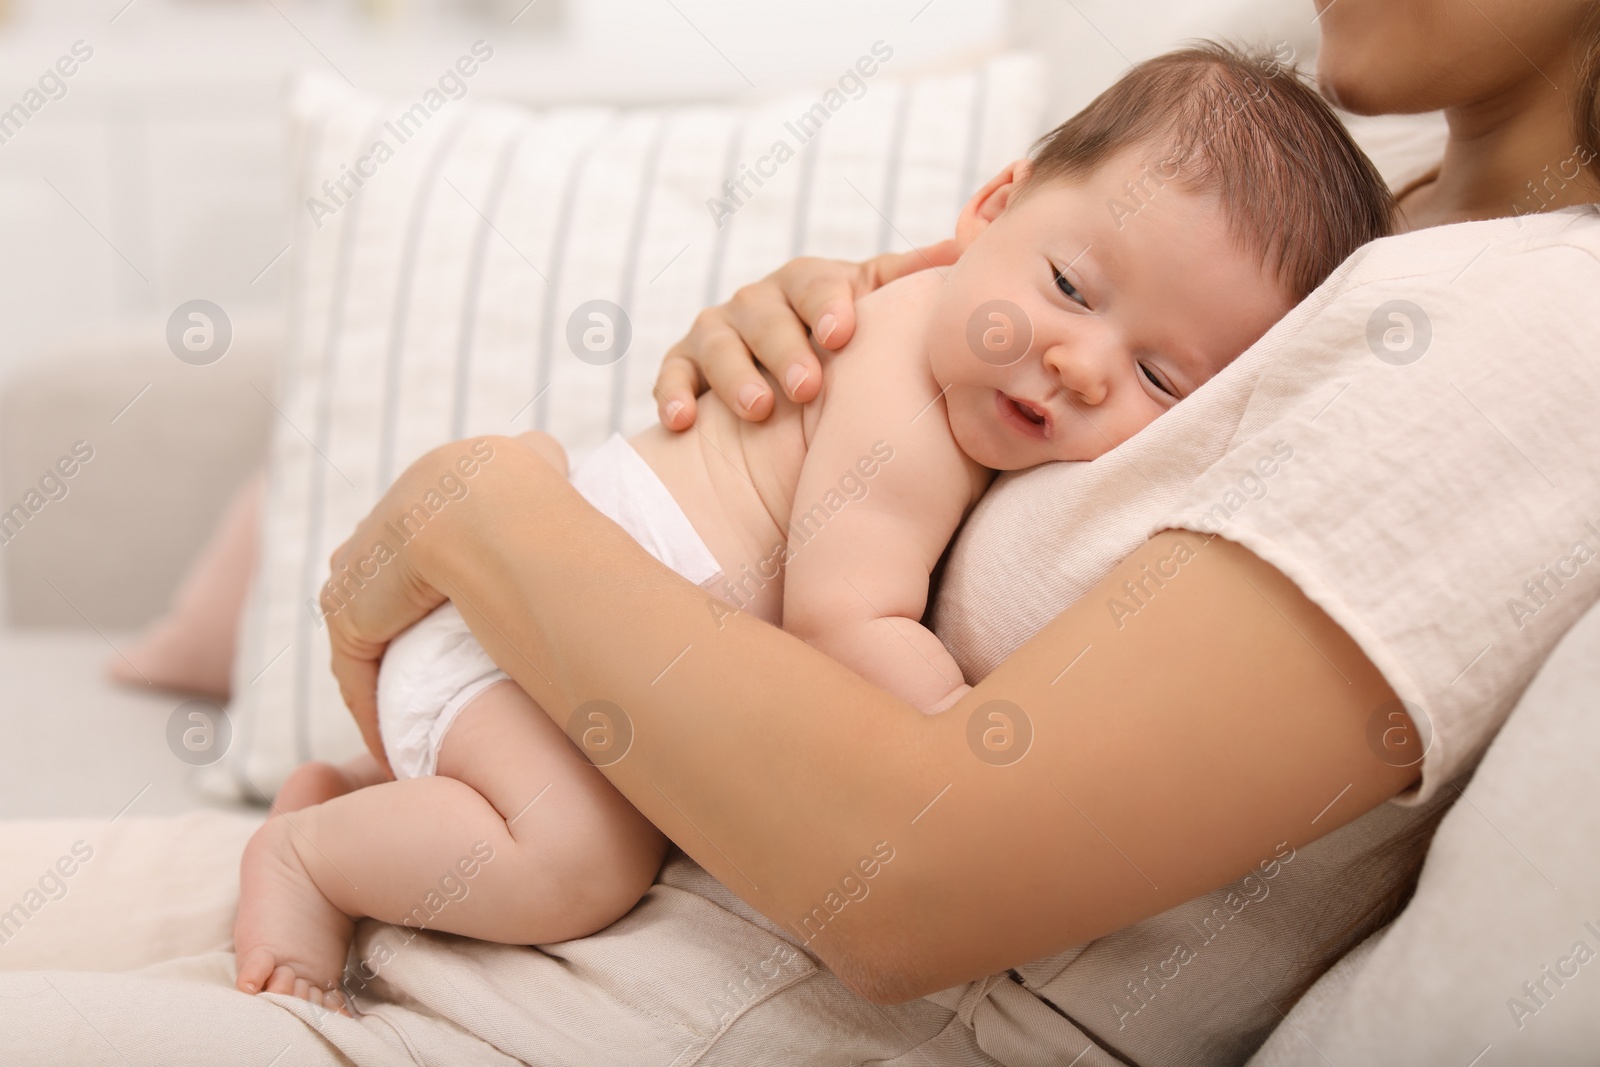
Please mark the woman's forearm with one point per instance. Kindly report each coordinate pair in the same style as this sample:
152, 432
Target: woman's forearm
767, 761
1105, 772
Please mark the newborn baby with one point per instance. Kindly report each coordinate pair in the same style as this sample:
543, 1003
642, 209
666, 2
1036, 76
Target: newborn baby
1145, 244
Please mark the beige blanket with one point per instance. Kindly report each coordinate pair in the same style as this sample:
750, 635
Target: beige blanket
691, 976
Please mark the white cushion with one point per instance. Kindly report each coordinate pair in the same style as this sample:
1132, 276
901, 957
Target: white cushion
436, 302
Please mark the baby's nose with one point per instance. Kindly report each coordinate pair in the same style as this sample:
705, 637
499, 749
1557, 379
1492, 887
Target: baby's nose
1081, 371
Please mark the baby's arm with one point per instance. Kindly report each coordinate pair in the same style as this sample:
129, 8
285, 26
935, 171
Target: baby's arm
881, 493
858, 590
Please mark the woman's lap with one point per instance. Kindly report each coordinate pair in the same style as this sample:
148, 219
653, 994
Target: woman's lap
689, 976
82, 894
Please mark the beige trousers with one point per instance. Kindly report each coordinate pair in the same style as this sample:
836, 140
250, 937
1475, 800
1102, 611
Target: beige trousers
116, 948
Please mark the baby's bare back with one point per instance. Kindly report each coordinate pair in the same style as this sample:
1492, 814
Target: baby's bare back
735, 480
738, 481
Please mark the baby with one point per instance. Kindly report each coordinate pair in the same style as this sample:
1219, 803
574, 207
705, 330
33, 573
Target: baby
1144, 245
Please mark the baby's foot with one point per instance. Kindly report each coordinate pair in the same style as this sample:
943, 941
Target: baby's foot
288, 937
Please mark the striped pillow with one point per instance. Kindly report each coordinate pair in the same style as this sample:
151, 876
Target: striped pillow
443, 264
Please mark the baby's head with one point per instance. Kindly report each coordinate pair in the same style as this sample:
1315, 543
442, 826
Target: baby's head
1145, 244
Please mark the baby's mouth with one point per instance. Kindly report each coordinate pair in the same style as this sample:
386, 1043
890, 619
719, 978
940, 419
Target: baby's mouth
1027, 418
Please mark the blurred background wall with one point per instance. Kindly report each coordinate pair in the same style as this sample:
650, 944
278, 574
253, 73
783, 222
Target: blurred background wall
153, 174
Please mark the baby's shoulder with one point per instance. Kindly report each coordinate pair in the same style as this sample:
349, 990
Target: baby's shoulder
910, 297
880, 388
890, 339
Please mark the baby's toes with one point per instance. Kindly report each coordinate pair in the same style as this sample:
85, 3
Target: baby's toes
282, 981
327, 1000
255, 968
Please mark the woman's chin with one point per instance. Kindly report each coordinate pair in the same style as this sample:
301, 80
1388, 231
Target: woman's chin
1360, 91
1338, 89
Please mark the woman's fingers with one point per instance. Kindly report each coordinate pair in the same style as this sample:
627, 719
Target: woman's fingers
354, 664
767, 325
823, 293
354, 660
678, 382
891, 265
358, 684
773, 322
716, 346
769, 321
374, 589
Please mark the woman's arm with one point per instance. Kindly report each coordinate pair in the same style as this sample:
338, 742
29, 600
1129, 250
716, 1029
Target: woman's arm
767, 322
1170, 750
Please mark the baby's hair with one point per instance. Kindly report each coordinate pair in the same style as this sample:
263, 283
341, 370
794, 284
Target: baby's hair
1295, 186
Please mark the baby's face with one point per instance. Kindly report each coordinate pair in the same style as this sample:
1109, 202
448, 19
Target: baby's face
1070, 323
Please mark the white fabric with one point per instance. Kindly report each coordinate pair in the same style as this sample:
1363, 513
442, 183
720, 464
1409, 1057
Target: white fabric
439, 301
429, 673
622, 487
434, 669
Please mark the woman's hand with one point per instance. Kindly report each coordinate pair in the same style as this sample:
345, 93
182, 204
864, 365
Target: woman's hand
766, 323
379, 585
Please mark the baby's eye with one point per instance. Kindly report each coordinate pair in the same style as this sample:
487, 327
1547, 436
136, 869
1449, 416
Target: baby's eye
1156, 380
1068, 289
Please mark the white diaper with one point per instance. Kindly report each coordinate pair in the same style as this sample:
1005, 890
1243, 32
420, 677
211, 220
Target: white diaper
431, 671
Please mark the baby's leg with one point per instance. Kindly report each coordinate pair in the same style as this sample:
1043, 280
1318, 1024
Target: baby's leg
316, 781
555, 852
579, 856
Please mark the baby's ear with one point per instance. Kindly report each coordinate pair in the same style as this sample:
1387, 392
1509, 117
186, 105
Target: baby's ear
987, 203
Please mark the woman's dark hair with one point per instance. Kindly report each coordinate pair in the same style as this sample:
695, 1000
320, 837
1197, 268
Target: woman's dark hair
1295, 186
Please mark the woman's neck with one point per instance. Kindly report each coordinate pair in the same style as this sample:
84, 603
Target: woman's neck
1513, 154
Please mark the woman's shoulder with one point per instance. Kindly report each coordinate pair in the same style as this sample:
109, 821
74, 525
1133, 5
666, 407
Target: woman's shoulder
1463, 291
1452, 250
1435, 457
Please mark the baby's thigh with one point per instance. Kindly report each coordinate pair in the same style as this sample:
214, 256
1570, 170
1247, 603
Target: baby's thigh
552, 798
